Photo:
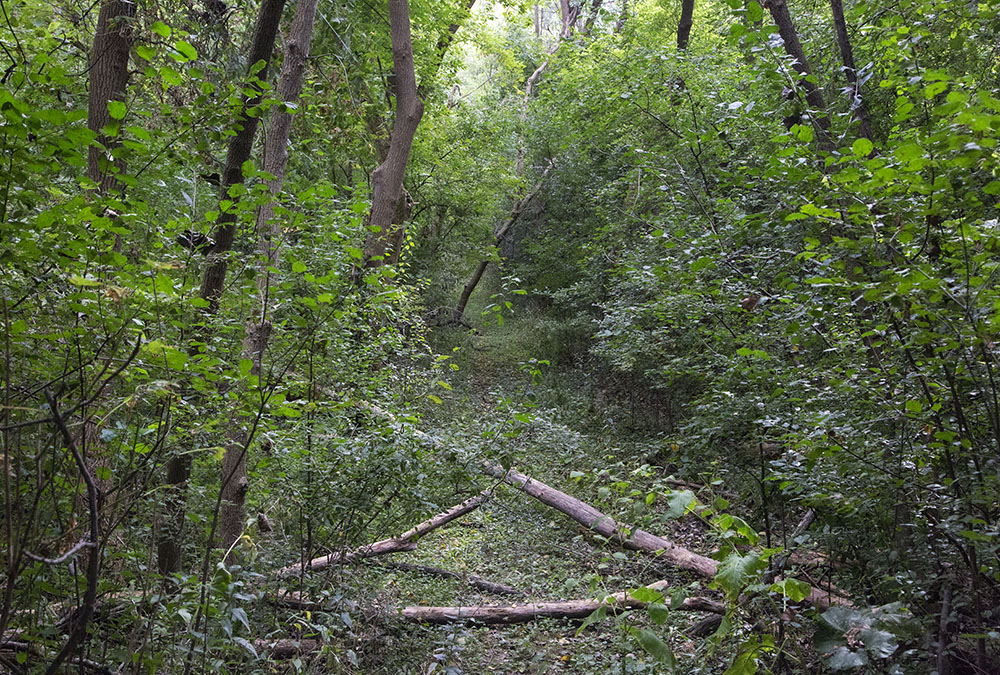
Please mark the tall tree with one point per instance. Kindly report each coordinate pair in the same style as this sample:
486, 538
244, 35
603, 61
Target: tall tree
108, 79
813, 92
387, 179
240, 147
850, 70
684, 26
234, 479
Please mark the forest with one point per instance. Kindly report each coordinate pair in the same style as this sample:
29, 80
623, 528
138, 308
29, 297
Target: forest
500, 336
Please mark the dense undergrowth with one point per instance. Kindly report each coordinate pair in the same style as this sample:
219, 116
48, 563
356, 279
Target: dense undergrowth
726, 271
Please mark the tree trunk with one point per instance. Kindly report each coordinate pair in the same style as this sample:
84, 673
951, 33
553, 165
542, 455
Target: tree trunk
240, 147
234, 479
684, 26
622, 17
404, 542
458, 313
790, 37
629, 538
570, 609
108, 79
498, 237
387, 179
595, 10
850, 70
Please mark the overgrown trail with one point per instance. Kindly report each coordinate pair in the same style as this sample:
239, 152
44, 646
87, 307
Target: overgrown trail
550, 426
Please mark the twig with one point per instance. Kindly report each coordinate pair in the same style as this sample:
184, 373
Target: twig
80, 545
86, 609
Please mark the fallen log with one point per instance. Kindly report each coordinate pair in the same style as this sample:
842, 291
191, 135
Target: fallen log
404, 542
286, 649
471, 579
568, 609
633, 539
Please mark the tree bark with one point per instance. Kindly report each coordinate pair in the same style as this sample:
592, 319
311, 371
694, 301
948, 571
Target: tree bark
790, 37
850, 70
684, 26
569, 609
404, 542
595, 11
108, 80
387, 179
240, 147
232, 515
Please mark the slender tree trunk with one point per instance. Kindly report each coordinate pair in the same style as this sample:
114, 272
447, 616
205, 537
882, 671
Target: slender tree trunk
387, 179
498, 236
569, 16
850, 70
108, 79
240, 148
595, 10
684, 26
622, 17
169, 546
234, 478
790, 37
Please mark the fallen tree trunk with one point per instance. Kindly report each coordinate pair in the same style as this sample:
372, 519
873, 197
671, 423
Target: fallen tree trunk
286, 649
568, 609
630, 538
471, 579
404, 542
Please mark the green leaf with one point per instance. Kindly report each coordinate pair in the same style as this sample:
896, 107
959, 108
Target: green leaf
736, 570
186, 49
161, 29
656, 647
646, 595
754, 12
678, 503
299, 267
915, 407
145, 52
77, 280
658, 612
793, 589
594, 617
116, 109
862, 147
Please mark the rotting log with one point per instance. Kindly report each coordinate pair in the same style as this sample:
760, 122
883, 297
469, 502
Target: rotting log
567, 609
471, 579
404, 542
633, 539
